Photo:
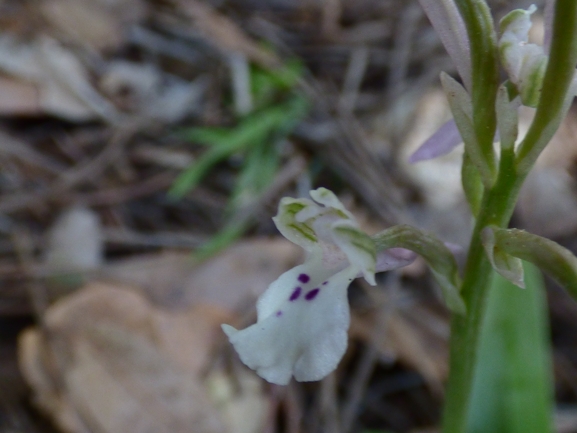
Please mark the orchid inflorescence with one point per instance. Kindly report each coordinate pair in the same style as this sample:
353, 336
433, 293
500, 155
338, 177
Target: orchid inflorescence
303, 317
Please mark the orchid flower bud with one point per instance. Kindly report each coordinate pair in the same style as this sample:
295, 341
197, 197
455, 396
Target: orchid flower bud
303, 317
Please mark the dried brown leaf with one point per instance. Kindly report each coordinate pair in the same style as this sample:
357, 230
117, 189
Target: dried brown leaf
145, 90
18, 98
110, 361
61, 81
99, 24
418, 340
224, 33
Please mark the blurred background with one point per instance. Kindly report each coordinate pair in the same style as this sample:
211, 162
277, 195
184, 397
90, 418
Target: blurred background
144, 146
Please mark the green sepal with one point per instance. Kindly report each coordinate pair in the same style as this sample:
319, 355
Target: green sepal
439, 258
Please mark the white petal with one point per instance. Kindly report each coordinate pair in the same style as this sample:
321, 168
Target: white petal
328, 199
306, 276
443, 141
448, 23
359, 248
298, 232
304, 335
310, 225
524, 62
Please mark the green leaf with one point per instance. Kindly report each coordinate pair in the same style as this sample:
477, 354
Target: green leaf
439, 258
190, 178
512, 391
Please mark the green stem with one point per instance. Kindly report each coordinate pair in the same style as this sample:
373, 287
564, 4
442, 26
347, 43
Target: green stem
484, 76
496, 209
499, 200
558, 76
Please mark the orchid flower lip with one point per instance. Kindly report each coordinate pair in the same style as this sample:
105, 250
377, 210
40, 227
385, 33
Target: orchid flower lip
295, 294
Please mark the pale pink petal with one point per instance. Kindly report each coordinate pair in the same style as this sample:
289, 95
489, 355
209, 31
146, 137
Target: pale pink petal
440, 143
448, 23
549, 14
394, 258
456, 249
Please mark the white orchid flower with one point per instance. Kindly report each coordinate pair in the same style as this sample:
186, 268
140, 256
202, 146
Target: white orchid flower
303, 317
525, 63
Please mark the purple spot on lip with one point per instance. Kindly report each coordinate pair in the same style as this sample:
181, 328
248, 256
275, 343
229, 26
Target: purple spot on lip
325, 283
312, 294
278, 313
295, 295
304, 278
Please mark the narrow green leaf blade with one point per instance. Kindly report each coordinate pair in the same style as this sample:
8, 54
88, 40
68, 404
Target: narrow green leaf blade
190, 177
512, 392
207, 135
225, 237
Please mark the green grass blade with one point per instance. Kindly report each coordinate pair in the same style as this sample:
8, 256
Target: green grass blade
230, 233
258, 172
209, 136
190, 177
